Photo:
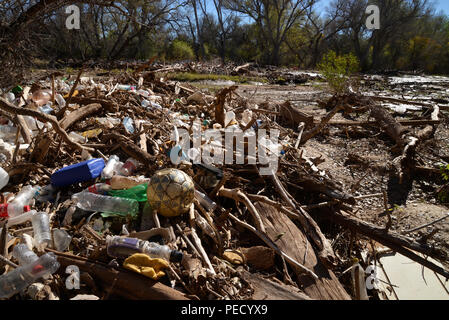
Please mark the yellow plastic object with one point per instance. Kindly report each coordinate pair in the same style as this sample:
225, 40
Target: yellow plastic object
170, 192
92, 133
75, 93
144, 264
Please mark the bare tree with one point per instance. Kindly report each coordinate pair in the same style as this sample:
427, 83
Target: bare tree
274, 19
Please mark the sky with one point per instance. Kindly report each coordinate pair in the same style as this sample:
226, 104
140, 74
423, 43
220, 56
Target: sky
440, 5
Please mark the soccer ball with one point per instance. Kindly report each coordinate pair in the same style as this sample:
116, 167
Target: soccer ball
170, 192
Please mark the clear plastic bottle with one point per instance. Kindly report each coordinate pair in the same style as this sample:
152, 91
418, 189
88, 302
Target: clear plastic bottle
121, 247
4, 178
108, 170
22, 218
95, 202
77, 137
99, 188
22, 200
23, 254
128, 124
60, 100
129, 167
41, 229
20, 278
205, 201
10, 97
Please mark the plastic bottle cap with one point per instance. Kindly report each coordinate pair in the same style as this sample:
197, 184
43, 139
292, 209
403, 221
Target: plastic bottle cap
26, 208
176, 256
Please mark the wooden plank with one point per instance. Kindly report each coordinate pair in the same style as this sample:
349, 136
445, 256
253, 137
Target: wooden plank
295, 243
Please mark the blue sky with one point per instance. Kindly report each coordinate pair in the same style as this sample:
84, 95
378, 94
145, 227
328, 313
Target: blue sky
440, 5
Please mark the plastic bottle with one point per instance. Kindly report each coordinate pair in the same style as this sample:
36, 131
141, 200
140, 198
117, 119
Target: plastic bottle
138, 193
128, 124
20, 278
99, 188
129, 167
41, 97
121, 247
108, 170
77, 137
121, 182
61, 239
41, 229
60, 100
10, 97
46, 108
205, 201
21, 201
23, 254
10, 209
95, 202
22, 218
4, 178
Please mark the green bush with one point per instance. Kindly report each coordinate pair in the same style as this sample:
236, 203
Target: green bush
338, 69
180, 50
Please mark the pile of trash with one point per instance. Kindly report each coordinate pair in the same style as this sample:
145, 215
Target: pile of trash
100, 200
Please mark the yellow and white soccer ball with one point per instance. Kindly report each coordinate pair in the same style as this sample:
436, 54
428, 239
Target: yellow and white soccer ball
170, 192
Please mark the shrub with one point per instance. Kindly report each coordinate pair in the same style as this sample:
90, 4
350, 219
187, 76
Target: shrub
180, 50
338, 69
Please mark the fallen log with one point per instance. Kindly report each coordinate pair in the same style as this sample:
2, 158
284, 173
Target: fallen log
121, 282
390, 239
295, 243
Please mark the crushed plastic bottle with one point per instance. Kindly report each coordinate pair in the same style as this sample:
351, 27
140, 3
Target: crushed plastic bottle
138, 193
129, 167
41, 229
121, 247
20, 278
23, 254
46, 108
108, 170
95, 202
128, 124
4, 178
61, 239
126, 87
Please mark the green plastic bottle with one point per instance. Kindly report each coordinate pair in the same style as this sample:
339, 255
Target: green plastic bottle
138, 193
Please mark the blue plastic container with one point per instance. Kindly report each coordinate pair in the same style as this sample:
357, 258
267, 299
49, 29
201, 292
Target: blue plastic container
80, 172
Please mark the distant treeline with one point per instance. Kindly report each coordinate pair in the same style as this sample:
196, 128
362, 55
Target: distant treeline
412, 35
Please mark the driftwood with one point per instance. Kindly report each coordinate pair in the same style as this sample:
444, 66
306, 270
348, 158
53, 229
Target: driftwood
79, 114
121, 282
295, 243
220, 102
348, 123
294, 116
395, 241
8, 107
265, 289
